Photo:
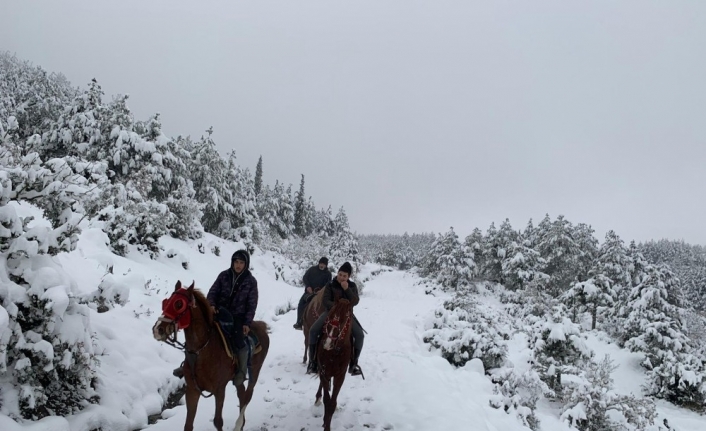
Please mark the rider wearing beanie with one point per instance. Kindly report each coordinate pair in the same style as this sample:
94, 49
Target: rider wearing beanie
339, 287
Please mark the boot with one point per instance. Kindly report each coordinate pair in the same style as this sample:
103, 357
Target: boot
241, 372
298, 325
312, 368
354, 368
179, 371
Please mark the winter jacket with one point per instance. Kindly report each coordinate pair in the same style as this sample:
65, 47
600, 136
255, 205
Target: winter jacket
237, 293
316, 278
334, 291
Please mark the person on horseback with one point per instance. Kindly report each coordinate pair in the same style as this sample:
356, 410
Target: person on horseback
314, 280
235, 292
339, 287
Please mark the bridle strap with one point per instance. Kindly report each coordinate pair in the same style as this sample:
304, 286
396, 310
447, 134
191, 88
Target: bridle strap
191, 355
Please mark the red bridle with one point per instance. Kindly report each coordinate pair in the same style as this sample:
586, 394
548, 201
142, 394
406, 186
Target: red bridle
335, 330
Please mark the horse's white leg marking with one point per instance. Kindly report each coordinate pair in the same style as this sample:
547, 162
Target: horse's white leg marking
241, 419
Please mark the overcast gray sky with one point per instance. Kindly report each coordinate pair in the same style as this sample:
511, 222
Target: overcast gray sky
417, 116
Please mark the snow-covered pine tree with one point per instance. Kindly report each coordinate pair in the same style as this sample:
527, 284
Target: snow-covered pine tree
589, 296
653, 325
558, 348
80, 129
343, 245
464, 329
496, 248
608, 277
258, 177
475, 242
209, 177
285, 210
310, 218
492, 265
326, 222
688, 263
46, 351
589, 399
588, 246
300, 208
523, 266
34, 97
169, 181
449, 262
557, 246
530, 234
243, 223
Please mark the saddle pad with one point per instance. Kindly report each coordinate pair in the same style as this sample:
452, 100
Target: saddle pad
252, 339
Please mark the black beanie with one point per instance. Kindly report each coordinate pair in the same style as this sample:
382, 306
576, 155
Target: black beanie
346, 267
324, 261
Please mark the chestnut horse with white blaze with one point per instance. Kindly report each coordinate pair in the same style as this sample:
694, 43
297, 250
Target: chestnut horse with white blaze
333, 355
208, 366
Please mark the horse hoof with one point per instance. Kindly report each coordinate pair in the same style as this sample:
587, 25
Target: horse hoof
318, 402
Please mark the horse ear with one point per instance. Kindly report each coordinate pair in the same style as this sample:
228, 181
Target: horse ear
178, 286
191, 288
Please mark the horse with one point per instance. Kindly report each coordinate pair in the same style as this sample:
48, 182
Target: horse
333, 355
313, 310
208, 366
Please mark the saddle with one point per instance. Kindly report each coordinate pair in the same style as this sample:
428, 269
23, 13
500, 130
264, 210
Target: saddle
225, 325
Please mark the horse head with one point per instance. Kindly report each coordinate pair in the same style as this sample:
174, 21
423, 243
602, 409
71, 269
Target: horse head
176, 313
337, 327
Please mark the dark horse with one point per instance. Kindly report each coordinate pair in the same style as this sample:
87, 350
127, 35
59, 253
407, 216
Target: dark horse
313, 310
333, 354
209, 367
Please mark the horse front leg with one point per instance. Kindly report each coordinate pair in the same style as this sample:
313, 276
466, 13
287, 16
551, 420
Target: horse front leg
318, 392
192, 402
332, 403
244, 397
220, 396
328, 413
306, 345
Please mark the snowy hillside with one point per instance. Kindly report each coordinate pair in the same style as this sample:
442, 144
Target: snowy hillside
407, 386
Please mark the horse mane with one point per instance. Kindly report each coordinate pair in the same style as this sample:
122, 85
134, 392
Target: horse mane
318, 298
204, 305
341, 306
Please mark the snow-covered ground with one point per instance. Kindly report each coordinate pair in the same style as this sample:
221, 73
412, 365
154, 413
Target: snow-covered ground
407, 387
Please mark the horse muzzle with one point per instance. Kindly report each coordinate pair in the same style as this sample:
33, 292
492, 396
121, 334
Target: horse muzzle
162, 329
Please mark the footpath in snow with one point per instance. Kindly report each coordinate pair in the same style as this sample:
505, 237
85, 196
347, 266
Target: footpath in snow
406, 387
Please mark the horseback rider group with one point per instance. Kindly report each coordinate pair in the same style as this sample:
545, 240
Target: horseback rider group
234, 296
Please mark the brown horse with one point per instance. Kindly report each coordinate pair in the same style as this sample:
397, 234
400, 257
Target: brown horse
333, 355
208, 366
313, 310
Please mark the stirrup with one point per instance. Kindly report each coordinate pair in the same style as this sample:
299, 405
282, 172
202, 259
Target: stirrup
179, 371
357, 371
312, 368
297, 326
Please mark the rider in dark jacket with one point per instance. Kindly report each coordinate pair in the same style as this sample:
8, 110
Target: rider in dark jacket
314, 280
235, 291
340, 287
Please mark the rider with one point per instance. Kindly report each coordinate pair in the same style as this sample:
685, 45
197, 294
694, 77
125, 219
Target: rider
314, 280
235, 291
339, 287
